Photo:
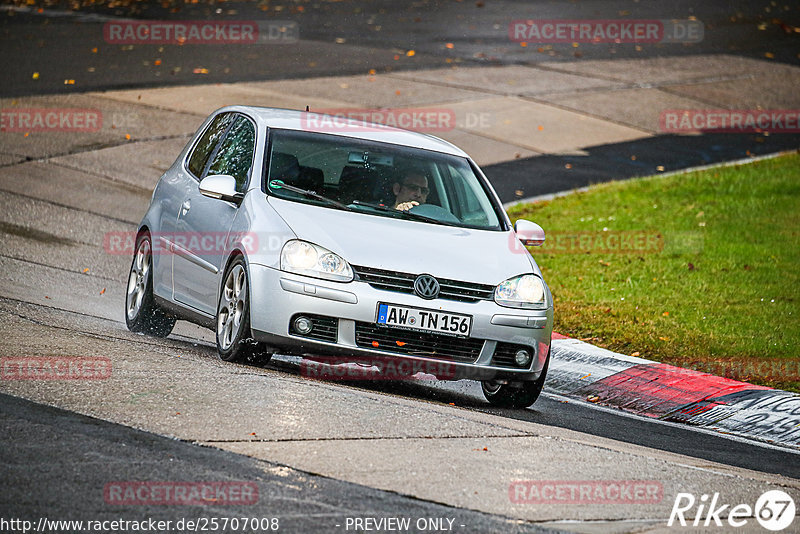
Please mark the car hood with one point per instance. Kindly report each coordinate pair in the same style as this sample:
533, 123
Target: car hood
479, 256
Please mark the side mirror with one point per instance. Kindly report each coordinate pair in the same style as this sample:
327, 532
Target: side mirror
530, 233
220, 186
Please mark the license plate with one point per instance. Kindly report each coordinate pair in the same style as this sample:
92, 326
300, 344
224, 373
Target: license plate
453, 324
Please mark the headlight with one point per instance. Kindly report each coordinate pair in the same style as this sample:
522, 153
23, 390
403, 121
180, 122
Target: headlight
306, 258
526, 291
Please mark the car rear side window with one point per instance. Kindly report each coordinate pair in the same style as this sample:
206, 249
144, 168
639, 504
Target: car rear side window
235, 155
209, 139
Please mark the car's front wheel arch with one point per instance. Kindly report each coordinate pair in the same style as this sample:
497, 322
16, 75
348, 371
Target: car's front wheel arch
516, 394
235, 253
249, 350
142, 314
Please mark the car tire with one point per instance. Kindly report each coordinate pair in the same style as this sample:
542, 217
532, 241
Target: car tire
235, 341
142, 314
515, 394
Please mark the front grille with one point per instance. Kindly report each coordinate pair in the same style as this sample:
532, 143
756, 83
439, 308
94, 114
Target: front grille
325, 328
423, 344
505, 352
404, 283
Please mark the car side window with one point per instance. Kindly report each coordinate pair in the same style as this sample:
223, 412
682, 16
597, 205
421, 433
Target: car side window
235, 155
471, 203
208, 141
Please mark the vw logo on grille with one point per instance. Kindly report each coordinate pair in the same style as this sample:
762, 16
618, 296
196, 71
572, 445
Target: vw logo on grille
426, 286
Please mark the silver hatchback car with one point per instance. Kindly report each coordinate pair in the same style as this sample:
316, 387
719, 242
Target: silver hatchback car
298, 233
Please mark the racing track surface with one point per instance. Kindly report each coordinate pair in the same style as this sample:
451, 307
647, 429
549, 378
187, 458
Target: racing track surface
320, 452
426, 444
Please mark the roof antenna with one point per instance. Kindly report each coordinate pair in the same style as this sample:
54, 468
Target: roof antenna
307, 108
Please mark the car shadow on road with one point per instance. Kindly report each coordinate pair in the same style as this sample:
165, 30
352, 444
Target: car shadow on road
440, 391
558, 412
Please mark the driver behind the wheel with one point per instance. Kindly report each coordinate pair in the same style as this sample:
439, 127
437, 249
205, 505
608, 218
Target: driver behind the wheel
411, 191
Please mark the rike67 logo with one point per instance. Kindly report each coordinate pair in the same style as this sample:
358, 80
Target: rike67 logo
774, 510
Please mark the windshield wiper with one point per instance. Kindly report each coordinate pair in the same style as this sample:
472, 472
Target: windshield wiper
425, 218
279, 184
379, 207
402, 213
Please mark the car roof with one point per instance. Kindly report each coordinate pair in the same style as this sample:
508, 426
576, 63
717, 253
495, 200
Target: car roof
290, 119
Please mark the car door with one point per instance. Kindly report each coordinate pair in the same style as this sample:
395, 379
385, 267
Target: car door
173, 189
204, 222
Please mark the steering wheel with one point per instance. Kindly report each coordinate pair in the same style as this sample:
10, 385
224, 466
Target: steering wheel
435, 212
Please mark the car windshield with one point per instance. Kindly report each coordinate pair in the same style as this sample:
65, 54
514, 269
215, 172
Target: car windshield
379, 179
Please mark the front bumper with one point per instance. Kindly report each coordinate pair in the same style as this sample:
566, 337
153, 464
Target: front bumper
278, 297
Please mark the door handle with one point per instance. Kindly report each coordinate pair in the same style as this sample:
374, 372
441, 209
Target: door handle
186, 206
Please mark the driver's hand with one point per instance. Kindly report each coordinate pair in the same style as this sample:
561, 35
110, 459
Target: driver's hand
405, 206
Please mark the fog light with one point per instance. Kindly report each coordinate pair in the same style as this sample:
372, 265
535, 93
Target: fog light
523, 358
303, 325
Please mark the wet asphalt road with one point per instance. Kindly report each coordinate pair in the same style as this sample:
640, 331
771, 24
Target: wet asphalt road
67, 51
352, 37
56, 464
57, 461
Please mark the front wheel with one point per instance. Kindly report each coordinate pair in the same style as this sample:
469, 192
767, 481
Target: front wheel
235, 342
142, 315
515, 394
